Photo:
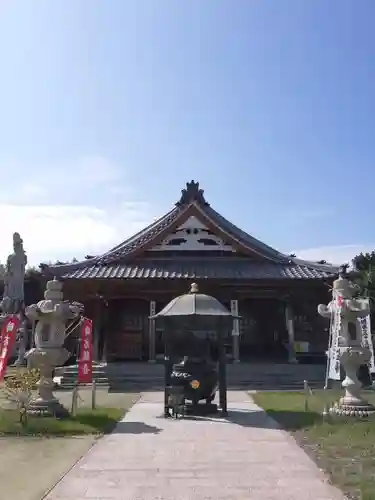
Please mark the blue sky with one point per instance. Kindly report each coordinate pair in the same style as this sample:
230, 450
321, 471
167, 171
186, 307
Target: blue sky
109, 107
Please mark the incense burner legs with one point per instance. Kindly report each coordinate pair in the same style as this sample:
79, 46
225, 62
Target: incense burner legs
46, 360
353, 404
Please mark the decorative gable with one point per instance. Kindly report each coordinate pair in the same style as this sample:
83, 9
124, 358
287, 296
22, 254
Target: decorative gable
193, 235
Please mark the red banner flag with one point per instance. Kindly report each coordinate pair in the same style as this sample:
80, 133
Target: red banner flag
85, 355
7, 341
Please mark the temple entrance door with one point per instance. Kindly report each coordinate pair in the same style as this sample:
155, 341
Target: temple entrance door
159, 340
128, 329
262, 328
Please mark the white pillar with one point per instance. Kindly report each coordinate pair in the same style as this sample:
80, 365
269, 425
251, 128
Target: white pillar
235, 331
151, 333
289, 323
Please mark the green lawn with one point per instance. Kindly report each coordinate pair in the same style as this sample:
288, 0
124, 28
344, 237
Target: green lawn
87, 421
344, 448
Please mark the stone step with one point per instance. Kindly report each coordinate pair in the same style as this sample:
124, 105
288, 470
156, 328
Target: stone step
146, 382
160, 381
230, 371
248, 379
245, 375
229, 375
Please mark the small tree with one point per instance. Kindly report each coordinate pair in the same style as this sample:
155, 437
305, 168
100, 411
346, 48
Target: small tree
32, 272
19, 389
364, 276
2, 272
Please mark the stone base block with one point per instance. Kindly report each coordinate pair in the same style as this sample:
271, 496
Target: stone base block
20, 363
357, 409
201, 410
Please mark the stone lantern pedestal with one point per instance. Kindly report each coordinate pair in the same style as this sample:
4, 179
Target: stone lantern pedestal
46, 360
51, 315
353, 404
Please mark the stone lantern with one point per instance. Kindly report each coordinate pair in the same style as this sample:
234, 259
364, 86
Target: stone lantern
347, 348
51, 316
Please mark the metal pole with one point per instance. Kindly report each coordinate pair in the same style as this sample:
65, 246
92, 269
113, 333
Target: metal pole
306, 391
74, 400
167, 372
93, 395
222, 374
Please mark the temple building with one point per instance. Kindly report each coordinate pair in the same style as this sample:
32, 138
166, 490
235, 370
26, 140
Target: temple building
276, 295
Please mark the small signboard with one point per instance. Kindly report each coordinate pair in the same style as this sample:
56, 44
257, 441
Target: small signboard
7, 341
86, 352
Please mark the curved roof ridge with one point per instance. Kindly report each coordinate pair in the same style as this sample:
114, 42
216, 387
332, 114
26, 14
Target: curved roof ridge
315, 265
73, 266
143, 231
242, 235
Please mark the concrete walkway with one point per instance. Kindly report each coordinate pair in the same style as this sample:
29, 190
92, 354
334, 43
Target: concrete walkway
150, 458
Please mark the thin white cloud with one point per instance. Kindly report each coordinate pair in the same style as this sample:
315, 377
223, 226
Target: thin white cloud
64, 212
335, 254
31, 190
57, 232
60, 182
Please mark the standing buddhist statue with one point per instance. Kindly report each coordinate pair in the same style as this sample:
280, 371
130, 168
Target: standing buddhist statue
14, 296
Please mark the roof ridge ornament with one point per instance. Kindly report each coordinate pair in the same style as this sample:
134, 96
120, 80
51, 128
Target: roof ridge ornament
194, 288
192, 193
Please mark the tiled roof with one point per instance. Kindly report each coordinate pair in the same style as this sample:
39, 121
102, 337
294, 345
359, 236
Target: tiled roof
119, 261
239, 234
143, 237
230, 268
150, 232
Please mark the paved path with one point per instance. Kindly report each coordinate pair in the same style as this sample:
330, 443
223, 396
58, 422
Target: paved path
150, 458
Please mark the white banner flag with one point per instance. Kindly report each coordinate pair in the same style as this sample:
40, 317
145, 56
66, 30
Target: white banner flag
333, 350
367, 338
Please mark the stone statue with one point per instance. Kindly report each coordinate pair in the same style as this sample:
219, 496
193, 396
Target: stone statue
346, 347
13, 298
51, 315
15, 271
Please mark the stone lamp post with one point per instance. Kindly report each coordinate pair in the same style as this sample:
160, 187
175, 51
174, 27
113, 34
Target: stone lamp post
347, 348
51, 315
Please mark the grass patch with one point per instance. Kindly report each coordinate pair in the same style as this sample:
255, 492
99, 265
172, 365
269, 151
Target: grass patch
87, 421
344, 448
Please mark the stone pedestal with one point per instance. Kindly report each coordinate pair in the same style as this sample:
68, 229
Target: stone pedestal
353, 404
46, 359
